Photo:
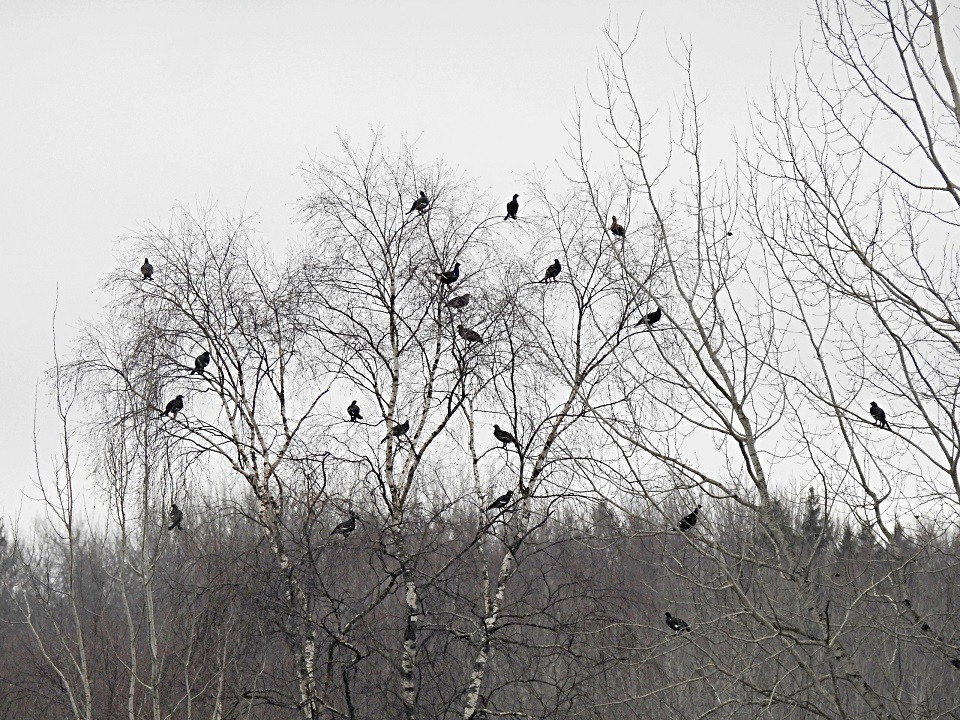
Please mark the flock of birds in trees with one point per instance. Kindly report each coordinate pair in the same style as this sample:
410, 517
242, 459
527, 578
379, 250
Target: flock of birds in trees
447, 278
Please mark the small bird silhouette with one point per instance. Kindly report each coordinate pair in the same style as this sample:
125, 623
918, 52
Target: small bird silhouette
502, 501
346, 526
617, 229
176, 517
879, 416
461, 301
146, 269
650, 319
200, 362
173, 407
677, 625
956, 663
468, 334
398, 431
688, 521
504, 436
448, 277
353, 410
553, 269
512, 208
420, 204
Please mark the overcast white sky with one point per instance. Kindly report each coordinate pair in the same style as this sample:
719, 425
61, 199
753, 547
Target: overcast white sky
113, 112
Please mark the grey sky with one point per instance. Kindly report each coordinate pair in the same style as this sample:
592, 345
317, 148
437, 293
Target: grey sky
114, 112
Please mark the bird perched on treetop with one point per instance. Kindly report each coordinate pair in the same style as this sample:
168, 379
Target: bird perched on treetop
346, 526
652, 318
448, 277
617, 229
353, 410
504, 436
468, 334
502, 501
553, 269
398, 430
461, 301
420, 204
676, 624
173, 407
512, 208
200, 362
146, 269
176, 517
687, 521
879, 416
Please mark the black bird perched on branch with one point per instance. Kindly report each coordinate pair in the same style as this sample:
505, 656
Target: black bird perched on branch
468, 334
617, 229
502, 501
651, 318
461, 301
879, 416
353, 410
200, 362
504, 436
676, 624
449, 277
553, 269
687, 521
146, 269
420, 204
398, 430
176, 517
513, 207
956, 663
346, 526
173, 407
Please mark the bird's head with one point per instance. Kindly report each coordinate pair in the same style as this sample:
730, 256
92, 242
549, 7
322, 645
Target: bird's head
614, 218
515, 196
496, 427
668, 615
873, 404
456, 266
179, 397
146, 260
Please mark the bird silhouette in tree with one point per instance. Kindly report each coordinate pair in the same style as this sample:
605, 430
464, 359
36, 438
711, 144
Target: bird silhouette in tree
200, 363
346, 526
651, 318
513, 207
879, 416
173, 407
449, 277
458, 302
504, 436
398, 431
677, 625
468, 334
353, 410
553, 269
146, 269
617, 229
176, 517
688, 521
420, 205
501, 502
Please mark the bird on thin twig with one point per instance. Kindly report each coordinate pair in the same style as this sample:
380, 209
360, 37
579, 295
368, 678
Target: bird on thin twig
176, 517
449, 277
173, 407
346, 526
461, 301
468, 334
617, 229
397, 431
146, 269
353, 410
650, 319
512, 208
553, 269
501, 502
420, 204
677, 625
687, 521
504, 436
200, 362
879, 416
